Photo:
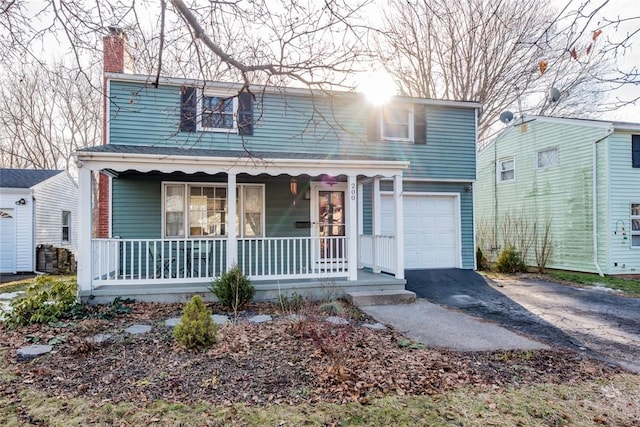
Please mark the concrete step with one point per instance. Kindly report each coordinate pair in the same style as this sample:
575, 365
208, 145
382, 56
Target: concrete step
389, 297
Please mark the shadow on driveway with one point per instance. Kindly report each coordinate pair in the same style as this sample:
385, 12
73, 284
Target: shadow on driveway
469, 292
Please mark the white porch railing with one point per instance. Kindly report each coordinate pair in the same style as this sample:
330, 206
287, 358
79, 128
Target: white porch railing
378, 253
143, 261
149, 261
293, 257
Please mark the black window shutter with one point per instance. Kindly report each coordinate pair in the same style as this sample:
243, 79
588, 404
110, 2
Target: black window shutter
635, 151
245, 113
189, 109
373, 124
419, 125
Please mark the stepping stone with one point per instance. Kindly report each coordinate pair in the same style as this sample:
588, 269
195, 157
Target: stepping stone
10, 295
99, 338
138, 329
375, 326
337, 320
220, 319
33, 351
261, 318
172, 322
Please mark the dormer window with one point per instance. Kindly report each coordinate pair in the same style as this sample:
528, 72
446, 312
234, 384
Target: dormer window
218, 113
397, 123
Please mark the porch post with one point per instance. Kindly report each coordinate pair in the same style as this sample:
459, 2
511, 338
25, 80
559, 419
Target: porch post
376, 214
352, 216
232, 240
84, 230
399, 212
360, 222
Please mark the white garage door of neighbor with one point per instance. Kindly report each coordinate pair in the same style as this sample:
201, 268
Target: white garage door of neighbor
430, 230
7, 241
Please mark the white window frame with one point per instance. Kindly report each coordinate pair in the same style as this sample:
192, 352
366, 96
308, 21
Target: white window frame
499, 169
633, 232
410, 123
545, 150
66, 225
200, 111
240, 231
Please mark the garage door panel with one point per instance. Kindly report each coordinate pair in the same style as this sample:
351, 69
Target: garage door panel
431, 230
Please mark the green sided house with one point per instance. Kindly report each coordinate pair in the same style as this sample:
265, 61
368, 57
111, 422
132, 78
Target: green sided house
579, 179
302, 190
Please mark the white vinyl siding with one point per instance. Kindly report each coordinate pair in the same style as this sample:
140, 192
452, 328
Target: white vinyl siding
51, 198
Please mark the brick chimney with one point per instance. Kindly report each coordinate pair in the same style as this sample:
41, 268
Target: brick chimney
116, 60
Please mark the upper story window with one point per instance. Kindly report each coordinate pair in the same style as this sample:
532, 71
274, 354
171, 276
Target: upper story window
218, 113
635, 151
547, 158
397, 123
506, 169
66, 226
635, 225
197, 210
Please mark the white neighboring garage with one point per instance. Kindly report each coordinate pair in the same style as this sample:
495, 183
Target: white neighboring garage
431, 229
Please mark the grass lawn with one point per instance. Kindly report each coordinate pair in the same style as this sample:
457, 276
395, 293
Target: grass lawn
592, 403
629, 286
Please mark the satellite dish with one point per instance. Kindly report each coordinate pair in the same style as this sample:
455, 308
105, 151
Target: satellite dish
506, 117
554, 95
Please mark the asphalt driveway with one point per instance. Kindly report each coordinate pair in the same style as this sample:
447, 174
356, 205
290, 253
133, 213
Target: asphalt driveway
599, 322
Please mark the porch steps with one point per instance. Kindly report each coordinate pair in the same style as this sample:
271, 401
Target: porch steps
390, 297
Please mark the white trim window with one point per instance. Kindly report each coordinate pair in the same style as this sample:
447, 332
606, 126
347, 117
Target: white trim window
200, 210
547, 158
396, 123
66, 226
218, 112
635, 225
506, 169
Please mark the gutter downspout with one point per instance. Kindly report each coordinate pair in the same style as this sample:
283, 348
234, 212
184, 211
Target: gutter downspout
596, 262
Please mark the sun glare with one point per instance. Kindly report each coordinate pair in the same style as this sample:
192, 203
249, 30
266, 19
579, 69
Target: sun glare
378, 87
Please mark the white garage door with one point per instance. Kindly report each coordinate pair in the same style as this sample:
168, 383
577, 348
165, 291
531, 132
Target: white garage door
7, 241
431, 237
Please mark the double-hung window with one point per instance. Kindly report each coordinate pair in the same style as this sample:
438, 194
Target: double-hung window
397, 123
506, 169
635, 225
218, 113
199, 210
547, 158
66, 226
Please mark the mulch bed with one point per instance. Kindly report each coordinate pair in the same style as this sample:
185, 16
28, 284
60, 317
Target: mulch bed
284, 361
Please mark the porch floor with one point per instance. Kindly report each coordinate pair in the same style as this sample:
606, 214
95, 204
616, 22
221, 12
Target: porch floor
268, 290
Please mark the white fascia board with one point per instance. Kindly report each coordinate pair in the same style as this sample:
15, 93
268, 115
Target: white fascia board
251, 166
175, 81
567, 120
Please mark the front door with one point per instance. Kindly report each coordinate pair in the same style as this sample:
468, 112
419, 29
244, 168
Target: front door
329, 210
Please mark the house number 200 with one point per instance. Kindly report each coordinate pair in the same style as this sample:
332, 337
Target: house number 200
353, 192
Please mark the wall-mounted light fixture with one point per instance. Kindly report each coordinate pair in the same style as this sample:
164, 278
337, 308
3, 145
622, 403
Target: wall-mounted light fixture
467, 189
22, 201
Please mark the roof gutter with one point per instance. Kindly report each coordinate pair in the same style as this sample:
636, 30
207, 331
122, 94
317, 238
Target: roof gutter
594, 203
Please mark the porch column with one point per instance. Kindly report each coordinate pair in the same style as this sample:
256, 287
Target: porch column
376, 219
84, 230
232, 240
352, 227
360, 222
399, 212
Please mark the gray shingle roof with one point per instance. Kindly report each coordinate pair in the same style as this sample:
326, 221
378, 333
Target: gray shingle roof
25, 178
199, 152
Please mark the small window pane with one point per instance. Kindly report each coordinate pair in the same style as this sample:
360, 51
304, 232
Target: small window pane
174, 211
217, 112
548, 158
66, 226
635, 209
507, 172
635, 225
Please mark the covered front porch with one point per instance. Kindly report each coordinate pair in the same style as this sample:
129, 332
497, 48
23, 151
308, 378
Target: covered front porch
323, 244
